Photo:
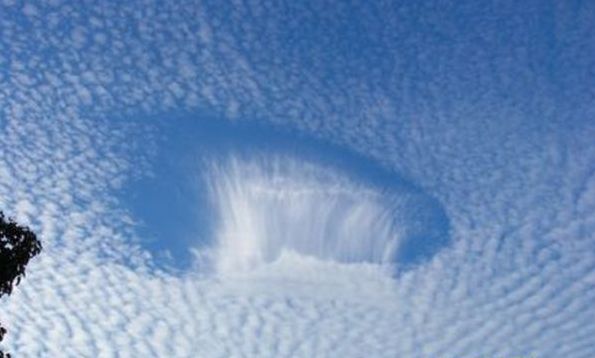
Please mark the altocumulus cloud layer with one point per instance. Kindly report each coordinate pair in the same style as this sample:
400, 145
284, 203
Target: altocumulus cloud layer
487, 107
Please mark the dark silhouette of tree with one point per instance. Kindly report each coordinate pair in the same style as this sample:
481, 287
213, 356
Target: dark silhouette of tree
18, 245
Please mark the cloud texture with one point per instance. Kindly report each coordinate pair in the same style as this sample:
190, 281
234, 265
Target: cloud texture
488, 107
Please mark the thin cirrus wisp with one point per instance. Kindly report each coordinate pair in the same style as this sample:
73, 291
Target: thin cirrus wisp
267, 206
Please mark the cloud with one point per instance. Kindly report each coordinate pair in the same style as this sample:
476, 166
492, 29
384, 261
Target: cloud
487, 109
267, 205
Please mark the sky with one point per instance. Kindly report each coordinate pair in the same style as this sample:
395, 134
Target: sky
301, 178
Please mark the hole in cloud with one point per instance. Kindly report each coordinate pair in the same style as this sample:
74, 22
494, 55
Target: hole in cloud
229, 197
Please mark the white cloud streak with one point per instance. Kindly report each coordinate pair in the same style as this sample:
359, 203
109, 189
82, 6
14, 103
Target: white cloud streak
268, 205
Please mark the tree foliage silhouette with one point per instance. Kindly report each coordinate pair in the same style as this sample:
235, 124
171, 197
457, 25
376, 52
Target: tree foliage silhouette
18, 245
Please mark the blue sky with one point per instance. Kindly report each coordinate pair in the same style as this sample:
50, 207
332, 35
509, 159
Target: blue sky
172, 202
312, 178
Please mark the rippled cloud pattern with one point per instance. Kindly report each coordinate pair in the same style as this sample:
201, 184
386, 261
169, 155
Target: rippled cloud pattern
485, 109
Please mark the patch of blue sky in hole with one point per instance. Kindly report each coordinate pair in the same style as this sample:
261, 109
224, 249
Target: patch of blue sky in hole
171, 207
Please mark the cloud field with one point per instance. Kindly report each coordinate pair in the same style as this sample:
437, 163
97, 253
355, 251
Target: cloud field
485, 108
